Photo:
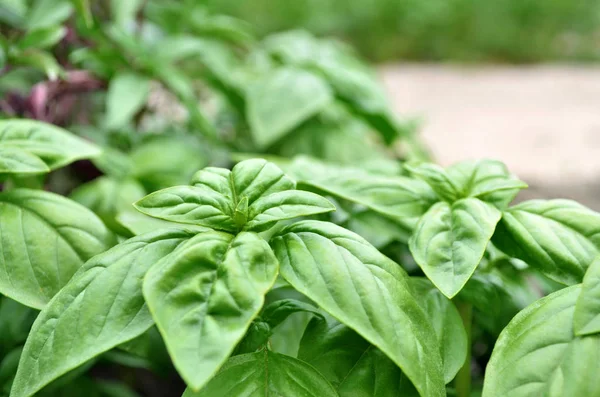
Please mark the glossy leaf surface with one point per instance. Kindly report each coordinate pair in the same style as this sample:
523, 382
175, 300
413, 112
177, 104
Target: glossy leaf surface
450, 240
587, 311
252, 196
282, 100
266, 374
44, 240
100, 308
21, 140
352, 365
537, 354
560, 238
438, 179
204, 297
399, 198
351, 280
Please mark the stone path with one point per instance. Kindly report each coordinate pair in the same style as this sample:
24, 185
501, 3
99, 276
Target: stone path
542, 121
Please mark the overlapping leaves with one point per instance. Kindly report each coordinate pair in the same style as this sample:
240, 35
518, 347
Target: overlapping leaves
33, 147
252, 196
450, 239
538, 353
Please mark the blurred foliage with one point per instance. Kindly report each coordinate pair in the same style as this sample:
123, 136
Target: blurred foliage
434, 30
165, 89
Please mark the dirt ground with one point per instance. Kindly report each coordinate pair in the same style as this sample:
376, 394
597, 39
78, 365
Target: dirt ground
542, 121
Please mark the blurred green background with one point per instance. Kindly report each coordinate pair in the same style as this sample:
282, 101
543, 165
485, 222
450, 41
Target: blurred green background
511, 31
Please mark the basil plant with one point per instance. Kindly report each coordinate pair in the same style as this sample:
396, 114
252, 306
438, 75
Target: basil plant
233, 242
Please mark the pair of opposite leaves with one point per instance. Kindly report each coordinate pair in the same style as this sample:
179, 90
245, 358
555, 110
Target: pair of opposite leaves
557, 237
203, 290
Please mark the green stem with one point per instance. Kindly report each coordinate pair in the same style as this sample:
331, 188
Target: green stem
462, 382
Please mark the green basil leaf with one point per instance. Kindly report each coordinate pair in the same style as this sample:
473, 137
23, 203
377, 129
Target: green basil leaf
42, 38
99, 309
275, 313
560, 238
450, 240
123, 12
282, 100
266, 373
587, 311
336, 135
537, 354
353, 82
252, 196
256, 338
52, 145
44, 239
494, 306
190, 204
447, 324
41, 60
371, 295
438, 179
352, 365
285, 205
204, 297
376, 229
46, 13
166, 161
19, 161
375, 375
108, 197
399, 198
137, 223
8, 368
488, 180
285, 338
83, 10
15, 322
127, 94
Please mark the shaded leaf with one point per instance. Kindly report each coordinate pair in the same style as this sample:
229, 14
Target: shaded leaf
108, 197
275, 313
447, 324
266, 374
352, 365
41, 60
